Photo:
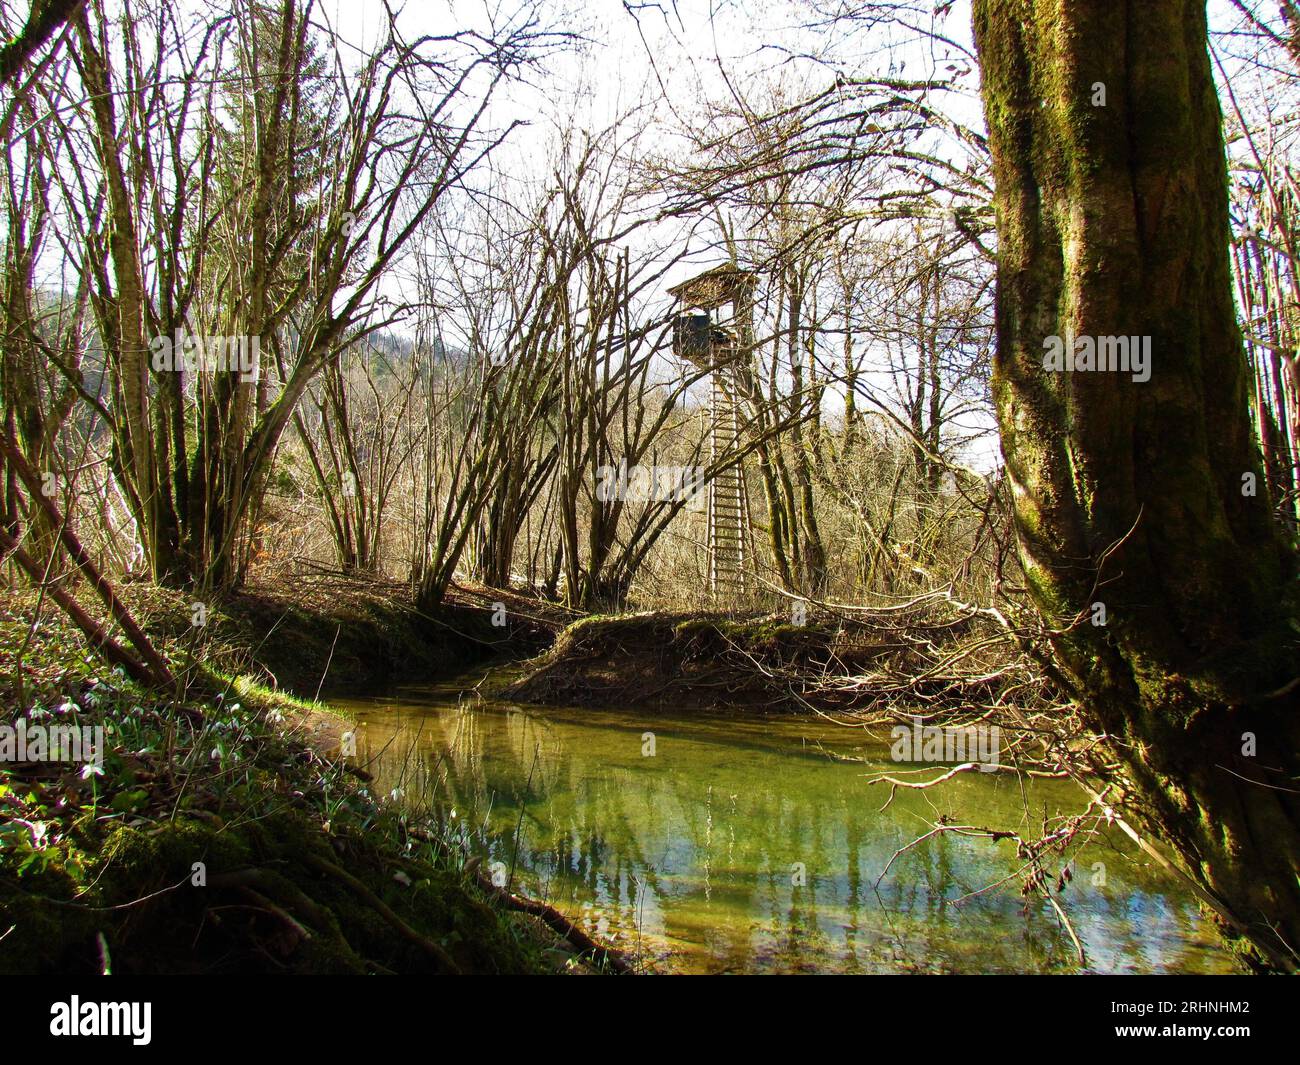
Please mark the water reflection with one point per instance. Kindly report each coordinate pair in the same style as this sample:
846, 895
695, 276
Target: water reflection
741, 846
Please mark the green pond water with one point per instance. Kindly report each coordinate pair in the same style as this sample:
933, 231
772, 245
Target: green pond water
747, 845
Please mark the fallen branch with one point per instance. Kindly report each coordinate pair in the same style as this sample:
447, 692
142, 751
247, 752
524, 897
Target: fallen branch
113, 651
158, 673
555, 920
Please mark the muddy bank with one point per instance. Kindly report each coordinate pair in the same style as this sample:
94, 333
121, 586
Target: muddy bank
720, 662
338, 636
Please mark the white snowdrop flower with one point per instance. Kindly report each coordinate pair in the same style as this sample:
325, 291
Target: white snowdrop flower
67, 707
91, 770
402, 878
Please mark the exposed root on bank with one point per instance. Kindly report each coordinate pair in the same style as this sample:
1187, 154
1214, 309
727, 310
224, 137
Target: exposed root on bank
380, 907
601, 954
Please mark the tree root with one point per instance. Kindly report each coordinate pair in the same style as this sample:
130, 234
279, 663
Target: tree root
298, 930
382, 908
612, 957
282, 898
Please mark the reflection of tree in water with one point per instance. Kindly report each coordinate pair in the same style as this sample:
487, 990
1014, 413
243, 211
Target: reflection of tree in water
703, 836
479, 764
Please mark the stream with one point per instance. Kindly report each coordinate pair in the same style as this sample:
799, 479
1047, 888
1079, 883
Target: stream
725, 844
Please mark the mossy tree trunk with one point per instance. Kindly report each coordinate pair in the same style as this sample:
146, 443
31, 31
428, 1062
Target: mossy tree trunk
1112, 219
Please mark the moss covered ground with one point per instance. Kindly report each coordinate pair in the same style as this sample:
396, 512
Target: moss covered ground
216, 836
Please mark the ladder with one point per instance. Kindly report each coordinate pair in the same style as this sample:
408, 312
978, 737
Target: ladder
727, 504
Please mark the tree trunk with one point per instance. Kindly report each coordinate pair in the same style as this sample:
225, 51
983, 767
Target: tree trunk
1112, 217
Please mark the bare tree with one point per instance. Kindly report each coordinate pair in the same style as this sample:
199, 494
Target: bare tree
260, 228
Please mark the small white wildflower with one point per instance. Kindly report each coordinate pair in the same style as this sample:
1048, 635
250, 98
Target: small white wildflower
67, 707
402, 878
91, 770
394, 795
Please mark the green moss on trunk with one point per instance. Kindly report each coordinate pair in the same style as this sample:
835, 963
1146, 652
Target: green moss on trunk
1112, 222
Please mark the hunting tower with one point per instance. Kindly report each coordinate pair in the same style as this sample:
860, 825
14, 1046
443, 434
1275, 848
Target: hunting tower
713, 330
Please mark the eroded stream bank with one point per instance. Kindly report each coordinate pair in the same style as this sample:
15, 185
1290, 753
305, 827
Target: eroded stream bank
705, 843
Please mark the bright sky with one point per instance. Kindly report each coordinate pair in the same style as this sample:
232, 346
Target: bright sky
670, 56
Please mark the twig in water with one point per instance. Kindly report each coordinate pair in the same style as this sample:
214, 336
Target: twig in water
537, 748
